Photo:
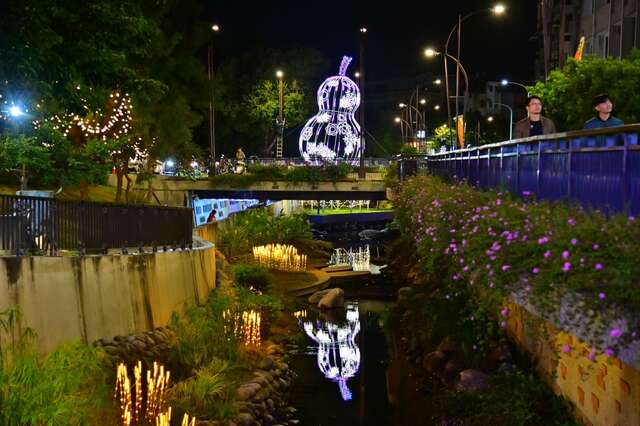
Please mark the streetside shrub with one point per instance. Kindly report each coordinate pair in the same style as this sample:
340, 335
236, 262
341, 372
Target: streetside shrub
485, 245
511, 399
252, 276
69, 386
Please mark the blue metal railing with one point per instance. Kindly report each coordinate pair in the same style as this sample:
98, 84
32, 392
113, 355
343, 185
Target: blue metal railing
600, 169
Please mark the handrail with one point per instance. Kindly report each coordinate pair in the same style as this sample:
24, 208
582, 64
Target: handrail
573, 134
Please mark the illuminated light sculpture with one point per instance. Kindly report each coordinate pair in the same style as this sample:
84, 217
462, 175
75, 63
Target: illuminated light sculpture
244, 325
338, 355
145, 407
358, 259
333, 133
281, 257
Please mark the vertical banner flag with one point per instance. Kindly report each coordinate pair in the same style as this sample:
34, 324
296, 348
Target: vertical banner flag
460, 130
578, 56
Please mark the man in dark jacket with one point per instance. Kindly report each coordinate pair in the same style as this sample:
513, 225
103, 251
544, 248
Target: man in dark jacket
535, 124
604, 107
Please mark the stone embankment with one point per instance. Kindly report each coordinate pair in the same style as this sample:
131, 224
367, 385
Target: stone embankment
147, 347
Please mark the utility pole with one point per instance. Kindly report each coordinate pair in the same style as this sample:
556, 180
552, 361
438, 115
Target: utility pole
280, 120
361, 172
212, 116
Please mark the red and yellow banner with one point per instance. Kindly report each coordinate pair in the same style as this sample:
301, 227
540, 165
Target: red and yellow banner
460, 130
578, 55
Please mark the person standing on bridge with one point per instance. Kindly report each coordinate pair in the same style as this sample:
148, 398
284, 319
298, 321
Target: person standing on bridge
535, 124
604, 107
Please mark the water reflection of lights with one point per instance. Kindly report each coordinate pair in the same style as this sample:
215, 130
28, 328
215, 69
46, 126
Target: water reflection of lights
338, 355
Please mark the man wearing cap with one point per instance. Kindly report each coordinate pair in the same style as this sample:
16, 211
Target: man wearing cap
603, 105
535, 124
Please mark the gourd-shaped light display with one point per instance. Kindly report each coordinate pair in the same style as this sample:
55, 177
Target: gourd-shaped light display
333, 133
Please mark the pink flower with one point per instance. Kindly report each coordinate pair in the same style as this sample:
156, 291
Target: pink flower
566, 348
547, 254
505, 268
574, 241
599, 267
498, 202
565, 254
602, 296
543, 240
596, 246
591, 356
566, 267
526, 193
535, 270
503, 324
571, 221
609, 352
615, 333
504, 312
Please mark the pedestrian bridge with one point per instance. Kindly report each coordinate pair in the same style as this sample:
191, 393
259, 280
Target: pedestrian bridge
174, 191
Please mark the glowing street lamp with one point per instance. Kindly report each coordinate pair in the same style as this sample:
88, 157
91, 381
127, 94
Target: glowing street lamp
423, 101
499, 9
437, 107
490, 119
357, 74
215, 28
432, 53
15, 111
437, 82
505, 82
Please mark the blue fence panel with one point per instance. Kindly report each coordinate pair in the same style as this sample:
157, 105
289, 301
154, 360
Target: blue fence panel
597, 168
597, 179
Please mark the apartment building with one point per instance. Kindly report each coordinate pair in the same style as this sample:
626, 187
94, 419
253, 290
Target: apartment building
611, 28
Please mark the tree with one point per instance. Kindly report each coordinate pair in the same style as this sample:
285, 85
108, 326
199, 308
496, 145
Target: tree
567, 94
239, 76
263, 106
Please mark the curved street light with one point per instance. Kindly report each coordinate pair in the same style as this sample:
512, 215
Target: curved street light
498, 10
505, 82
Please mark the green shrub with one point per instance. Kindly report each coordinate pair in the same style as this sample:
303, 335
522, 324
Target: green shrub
515, 399
252, 276
206, 394
258, 227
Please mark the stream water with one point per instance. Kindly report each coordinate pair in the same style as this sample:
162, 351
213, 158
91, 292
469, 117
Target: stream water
342, 368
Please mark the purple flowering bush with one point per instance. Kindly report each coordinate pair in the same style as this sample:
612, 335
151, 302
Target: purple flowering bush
489, 245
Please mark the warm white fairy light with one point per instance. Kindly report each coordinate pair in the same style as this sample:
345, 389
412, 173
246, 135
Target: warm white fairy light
280, 256
245, 325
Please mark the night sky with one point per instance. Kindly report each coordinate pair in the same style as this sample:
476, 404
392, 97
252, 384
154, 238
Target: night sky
397, 33
492, 47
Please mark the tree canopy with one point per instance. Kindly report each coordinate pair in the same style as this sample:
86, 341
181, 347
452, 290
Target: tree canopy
567, 95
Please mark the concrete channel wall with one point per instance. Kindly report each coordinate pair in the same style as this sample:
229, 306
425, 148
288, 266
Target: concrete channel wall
87, 298
605, 391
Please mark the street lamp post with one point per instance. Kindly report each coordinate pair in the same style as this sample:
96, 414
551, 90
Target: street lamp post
403, 124
510, 118
361, 171
505, 82
280, 120
498, 9
212, 117
430, 53
16, 113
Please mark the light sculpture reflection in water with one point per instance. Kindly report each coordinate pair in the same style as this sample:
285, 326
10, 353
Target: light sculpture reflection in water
333, 133
338, 355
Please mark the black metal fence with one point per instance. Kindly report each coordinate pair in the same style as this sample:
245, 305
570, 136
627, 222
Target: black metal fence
597, 168
31, 224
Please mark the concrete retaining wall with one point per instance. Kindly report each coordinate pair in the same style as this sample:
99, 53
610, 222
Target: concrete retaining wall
88, 298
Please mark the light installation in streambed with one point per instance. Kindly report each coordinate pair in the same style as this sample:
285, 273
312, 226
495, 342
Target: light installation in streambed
333, 133
338, 355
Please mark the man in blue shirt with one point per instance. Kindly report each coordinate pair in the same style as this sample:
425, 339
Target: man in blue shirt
603, 105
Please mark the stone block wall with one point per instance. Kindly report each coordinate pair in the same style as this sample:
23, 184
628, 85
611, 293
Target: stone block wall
605, 391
